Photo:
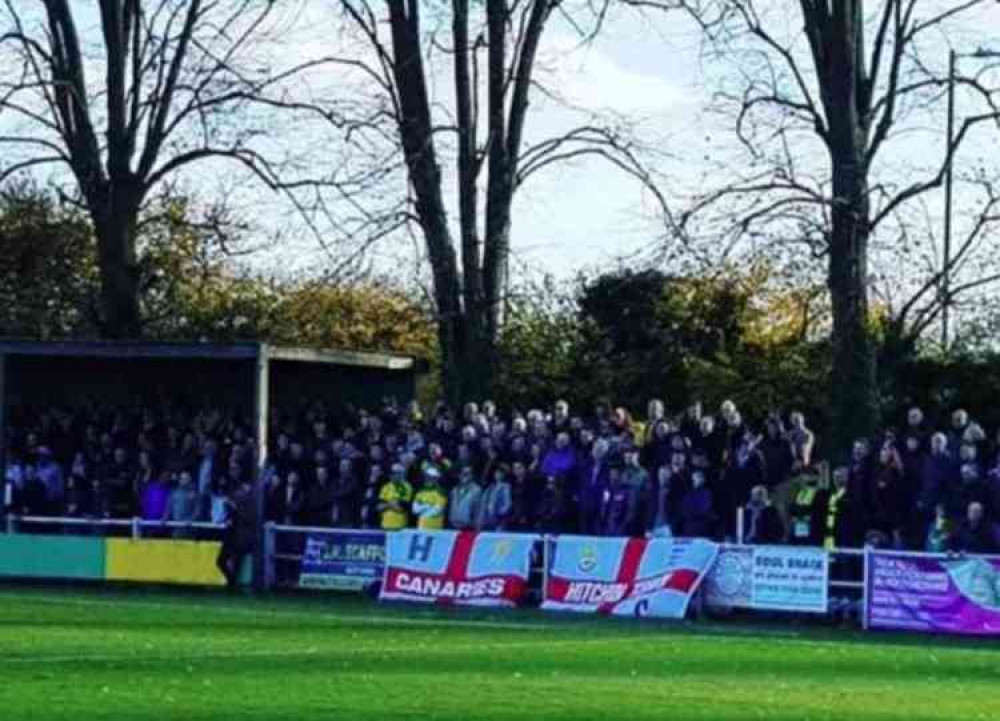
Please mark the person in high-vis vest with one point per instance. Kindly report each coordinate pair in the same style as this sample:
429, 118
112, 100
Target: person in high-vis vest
430, 502
807, 513
394, 500
844, 521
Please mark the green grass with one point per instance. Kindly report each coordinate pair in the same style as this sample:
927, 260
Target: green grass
83, 655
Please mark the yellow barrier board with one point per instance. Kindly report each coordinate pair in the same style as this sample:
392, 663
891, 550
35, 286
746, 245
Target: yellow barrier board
163, 561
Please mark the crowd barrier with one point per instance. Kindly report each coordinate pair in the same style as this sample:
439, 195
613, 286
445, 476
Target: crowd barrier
129, 550
888, 590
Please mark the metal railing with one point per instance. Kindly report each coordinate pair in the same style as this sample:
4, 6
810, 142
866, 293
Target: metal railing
283, 558
135, 526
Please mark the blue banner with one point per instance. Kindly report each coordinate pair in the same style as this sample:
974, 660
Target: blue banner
343, 561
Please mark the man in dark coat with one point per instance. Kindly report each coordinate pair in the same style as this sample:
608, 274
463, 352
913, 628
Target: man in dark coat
976, 534
240, 536
761, 521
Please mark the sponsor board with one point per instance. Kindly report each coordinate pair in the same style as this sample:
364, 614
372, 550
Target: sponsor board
770, 578
933, 594
343, 561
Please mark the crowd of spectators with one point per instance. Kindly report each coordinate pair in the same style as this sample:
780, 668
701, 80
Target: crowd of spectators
599, 473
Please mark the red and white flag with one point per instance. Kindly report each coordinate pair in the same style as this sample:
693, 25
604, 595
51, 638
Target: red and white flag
457, 567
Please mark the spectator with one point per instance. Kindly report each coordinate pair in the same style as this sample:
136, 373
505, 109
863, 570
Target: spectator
560, 417
552, 511
395, 499
885, 497
370, 513
346, 489
697, 514
845, 513
430, 503
319, 499
976, 534
940, 532
50, 475
956, 436
761, 519
495, 507
154, 498
593, 484
207, 470
463, 508
239, 538
777, 452
712, 441
745, 472
808, 511
939, 476
183, 505
665, 501
992, 490
290, 501
523, 495
655, 413
218, 500
118, 485
561, 459
620, 507
971, 490
916, 428
802, 439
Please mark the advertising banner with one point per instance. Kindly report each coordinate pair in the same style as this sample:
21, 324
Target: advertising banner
343, 561
769, 578
933, 594
457, 567
627, 576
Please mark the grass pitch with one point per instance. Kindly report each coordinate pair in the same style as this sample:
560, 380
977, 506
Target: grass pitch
83, 655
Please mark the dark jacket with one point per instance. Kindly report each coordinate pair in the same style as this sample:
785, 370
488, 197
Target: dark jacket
737, 483
762, 525
939, 476
697, 515
982, 539
345, 490
884, 503
319, 505
551, 512
593, 482
619, 510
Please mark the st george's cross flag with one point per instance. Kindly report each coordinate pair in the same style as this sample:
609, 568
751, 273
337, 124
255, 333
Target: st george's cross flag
457, 567
627, 576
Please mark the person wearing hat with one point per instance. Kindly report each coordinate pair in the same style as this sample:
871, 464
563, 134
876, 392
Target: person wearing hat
496, 505
430, 502
394, 500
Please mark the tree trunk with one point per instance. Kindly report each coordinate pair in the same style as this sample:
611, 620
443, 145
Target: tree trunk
855, 411
119, 272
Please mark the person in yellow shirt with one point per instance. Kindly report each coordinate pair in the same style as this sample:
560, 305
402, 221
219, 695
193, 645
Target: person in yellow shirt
394, 500
430, 502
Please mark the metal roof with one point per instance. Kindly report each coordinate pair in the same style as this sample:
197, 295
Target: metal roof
208, 351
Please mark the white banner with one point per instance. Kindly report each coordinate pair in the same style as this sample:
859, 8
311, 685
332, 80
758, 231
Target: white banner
770, 578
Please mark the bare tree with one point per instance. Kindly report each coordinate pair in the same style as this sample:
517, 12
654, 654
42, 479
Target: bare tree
490, 51
180, 82
822, 93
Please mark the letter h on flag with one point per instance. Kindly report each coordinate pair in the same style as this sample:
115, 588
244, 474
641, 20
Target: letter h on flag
421, 546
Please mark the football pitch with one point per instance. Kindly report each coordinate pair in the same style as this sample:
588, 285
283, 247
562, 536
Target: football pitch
80, 654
